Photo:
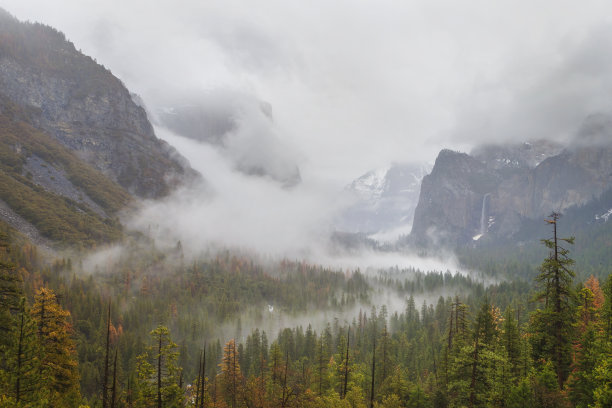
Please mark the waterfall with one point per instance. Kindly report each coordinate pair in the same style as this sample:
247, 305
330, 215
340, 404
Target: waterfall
484, 222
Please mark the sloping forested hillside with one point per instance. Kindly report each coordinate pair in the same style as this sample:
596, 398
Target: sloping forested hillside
476, 345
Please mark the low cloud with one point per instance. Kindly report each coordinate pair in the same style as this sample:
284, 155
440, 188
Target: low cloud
234, 209
353, 86
358, 85
241, 127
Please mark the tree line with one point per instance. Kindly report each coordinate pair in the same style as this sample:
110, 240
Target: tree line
489, 348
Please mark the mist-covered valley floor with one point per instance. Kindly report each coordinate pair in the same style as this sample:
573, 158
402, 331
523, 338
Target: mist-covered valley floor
305, 204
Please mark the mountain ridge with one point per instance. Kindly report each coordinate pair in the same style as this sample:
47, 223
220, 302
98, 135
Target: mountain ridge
85, 108
466, 197
75, 148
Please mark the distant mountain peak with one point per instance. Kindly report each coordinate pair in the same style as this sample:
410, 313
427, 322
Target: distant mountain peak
385, 199
372, 184
489, 193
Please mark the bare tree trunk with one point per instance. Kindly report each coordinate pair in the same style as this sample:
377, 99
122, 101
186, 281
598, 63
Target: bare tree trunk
348, 342
321, 365
159, 361
19, 353
203, 385
234, 375
373, 368
197, 400
106, 357
284, 401
474, 368
114, 389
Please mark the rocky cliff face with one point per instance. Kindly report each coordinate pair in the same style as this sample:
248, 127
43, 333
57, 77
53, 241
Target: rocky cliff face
85, 108
489, 193
451, 198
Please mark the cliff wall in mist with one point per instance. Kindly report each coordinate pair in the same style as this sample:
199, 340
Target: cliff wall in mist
74, 146
85, 108
492, 192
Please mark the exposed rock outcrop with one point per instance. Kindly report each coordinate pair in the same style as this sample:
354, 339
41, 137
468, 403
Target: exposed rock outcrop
491, 194
86, 108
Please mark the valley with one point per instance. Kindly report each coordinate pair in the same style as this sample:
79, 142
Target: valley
166, 241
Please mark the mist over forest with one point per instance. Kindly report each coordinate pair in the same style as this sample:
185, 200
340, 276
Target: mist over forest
305, 204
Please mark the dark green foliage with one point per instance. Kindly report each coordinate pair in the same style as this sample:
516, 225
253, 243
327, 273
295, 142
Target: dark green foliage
457, 351
11, 290
22, 361
552, 324
158, 373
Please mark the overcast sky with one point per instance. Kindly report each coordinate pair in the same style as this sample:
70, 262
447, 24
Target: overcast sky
357, 84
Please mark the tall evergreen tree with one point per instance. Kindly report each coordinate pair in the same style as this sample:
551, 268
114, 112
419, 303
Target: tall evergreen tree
58, 364
231, 375
158, 373
22, 376
512, 343
105, 378
553, 323
10, 291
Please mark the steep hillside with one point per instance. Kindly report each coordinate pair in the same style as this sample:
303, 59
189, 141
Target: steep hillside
84, 107
47, 192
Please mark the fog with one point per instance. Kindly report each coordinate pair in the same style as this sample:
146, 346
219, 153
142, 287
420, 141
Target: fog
272, 322
356, 84
234, 209
350, 86
230, 209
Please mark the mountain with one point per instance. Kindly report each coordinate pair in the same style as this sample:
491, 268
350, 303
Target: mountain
75, 148
47, 192
494, 191
518, 156
385, 199
85, 108
240, 126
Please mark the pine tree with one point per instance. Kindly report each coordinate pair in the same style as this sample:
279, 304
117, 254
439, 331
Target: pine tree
606, 312
22, 376
321, 358
105, 378
231, 376
57, 354
10, 292
346, 364
158, 373
511, 340
553, 323
590, 348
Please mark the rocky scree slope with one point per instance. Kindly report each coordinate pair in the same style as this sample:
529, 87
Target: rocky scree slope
85, 108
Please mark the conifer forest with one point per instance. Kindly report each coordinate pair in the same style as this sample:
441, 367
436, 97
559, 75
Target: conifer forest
305, 204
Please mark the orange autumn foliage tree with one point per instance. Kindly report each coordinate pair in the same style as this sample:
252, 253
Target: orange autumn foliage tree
598, 296
58, 364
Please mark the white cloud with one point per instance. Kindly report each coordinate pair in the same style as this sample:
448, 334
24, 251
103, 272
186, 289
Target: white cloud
357, 84
353, 84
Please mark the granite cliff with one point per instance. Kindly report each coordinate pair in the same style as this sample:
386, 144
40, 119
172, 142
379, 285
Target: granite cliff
86, 108
75, 148
490, 193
